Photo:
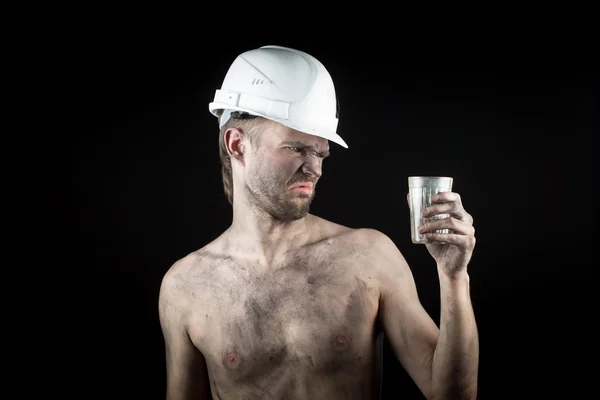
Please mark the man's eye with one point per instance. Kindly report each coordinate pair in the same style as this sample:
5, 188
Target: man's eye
295, 149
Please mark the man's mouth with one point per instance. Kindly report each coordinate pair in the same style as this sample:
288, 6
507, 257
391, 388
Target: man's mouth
307, 186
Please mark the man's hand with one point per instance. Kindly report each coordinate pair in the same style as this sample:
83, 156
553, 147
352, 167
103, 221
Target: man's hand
455, 253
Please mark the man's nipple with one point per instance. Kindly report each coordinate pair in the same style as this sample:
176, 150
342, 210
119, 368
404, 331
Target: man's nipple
232, 359
341, 343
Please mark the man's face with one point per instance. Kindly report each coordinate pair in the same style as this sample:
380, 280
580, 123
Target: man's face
281, 159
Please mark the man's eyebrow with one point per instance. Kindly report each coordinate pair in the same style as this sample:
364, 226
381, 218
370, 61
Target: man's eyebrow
296, 143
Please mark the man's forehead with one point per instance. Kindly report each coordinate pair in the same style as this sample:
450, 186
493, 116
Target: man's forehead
288, 135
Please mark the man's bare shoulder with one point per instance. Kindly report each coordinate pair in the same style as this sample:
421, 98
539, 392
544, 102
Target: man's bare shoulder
370, 238
382, 249
185, 265
374, 244
186, 274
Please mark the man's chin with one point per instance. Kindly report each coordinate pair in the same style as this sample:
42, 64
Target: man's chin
297, 209
301, 202
302, 196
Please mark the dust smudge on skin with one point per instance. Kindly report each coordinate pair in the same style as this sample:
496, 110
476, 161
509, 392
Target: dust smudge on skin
353, 316
257, 316
305, 314
357, 302
205, 275
310, 360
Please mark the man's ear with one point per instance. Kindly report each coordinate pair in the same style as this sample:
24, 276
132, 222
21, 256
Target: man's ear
234, 142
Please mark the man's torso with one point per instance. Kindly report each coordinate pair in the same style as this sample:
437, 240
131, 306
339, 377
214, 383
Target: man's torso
304, 327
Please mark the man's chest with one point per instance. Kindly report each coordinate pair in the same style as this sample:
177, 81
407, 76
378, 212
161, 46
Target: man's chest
318, 318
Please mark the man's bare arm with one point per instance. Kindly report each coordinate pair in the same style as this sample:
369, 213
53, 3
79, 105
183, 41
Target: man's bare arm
186, 371
456, 358
441, 361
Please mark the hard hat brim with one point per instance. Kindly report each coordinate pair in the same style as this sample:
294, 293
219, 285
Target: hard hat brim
310, 129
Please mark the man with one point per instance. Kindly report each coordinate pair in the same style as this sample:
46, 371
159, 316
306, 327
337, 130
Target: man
288, 305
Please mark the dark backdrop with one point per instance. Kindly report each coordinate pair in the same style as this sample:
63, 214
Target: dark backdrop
123, 178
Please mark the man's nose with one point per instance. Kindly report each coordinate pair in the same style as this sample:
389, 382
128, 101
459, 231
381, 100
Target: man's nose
312, 166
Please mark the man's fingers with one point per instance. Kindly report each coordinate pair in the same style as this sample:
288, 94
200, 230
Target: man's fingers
457, 226
446, 197
463, 242
454, 209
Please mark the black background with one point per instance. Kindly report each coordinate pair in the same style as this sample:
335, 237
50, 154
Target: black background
123, 178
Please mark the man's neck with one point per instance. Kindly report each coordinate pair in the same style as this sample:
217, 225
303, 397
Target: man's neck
265, 239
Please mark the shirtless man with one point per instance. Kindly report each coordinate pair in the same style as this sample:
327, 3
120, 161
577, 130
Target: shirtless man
287, 305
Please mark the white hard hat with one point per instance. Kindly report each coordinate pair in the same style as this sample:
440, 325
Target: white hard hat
284, 85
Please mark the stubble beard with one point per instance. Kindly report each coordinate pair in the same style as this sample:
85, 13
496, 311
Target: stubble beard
266, 194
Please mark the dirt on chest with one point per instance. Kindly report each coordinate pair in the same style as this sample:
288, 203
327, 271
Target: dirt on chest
316, 319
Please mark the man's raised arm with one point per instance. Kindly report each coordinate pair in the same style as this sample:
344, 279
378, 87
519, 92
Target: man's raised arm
443, 361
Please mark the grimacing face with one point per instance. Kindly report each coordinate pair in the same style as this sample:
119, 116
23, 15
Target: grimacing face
284, 157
